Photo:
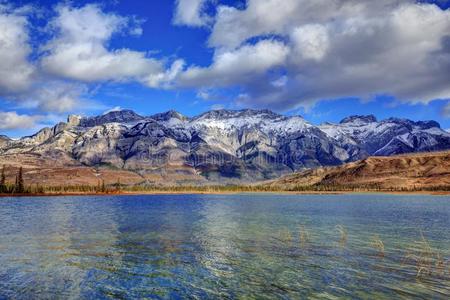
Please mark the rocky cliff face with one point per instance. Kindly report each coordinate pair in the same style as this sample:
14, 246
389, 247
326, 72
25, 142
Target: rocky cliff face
388, 137
4, 140
226, 145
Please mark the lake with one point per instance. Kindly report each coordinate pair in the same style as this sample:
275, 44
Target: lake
226, 246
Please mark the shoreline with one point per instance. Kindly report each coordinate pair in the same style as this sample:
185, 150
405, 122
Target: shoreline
143, 193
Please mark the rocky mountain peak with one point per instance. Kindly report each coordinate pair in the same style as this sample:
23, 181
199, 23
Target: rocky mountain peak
359, 119
420, 124
4, 140
117, 116
171, 114
74, 120
244, 113
428, 124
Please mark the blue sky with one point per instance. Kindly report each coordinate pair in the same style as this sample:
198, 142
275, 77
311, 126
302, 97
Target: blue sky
390, 58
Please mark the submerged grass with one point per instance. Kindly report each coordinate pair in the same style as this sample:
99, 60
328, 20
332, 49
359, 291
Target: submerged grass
378, 245
304, 237
343, 236
426, 260
286, 237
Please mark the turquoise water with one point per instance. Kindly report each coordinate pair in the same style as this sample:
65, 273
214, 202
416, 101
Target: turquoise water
225, 246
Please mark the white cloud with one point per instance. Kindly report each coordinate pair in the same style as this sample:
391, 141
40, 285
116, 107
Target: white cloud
234, 26
59, 97
191, 13
237, 66
310, 41
12, 120
15, 71
280, 82
79, 50
164, 79
331, 50
262, 17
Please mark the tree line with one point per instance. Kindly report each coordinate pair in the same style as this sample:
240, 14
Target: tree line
17, 188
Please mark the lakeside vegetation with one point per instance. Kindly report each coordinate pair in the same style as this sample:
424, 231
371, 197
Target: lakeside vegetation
101, 188
20, 187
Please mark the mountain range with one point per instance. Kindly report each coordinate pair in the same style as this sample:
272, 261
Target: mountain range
222, 145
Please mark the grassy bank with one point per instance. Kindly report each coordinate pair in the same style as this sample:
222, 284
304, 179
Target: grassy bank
102, 189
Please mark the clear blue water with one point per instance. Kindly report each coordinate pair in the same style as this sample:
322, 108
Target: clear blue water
225, 246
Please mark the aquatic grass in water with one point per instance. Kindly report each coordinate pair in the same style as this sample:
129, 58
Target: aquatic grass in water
225, 246
378, 245
427, 261
342, 235
304, 237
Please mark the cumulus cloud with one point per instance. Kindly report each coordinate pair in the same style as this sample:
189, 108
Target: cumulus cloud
58, 97
79, 49
22, 80
310, 42
15, 71
238, 66
12, 120
191, 13
328, 50
234, 26
56, 77
164, 79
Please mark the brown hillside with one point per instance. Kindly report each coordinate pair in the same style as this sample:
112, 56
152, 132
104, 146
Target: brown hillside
422, 170
65, 171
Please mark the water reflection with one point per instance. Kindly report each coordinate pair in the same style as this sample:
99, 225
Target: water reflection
253, 246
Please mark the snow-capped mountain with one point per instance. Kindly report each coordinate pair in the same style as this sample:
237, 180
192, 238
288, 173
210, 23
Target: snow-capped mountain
225, 144
388, 137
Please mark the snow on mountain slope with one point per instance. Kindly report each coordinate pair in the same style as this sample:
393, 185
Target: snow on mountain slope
390, 136
226, 144
269, 122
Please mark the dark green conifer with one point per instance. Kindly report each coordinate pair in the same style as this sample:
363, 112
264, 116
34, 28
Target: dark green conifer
3, 181
19, 188
118, 185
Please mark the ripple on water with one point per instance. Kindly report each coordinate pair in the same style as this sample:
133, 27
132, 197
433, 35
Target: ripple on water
233, 246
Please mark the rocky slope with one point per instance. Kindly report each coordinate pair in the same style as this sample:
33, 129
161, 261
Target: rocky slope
224, 145
407, 171
4, 140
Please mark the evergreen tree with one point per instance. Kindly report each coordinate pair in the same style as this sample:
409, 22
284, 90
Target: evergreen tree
19, 188
16, 184
118, 185
3, 181
103, 186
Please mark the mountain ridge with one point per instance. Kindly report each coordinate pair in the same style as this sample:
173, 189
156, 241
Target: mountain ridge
226, 146
419, 171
